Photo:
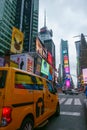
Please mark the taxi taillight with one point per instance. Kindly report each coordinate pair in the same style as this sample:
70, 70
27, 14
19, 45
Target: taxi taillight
6, 116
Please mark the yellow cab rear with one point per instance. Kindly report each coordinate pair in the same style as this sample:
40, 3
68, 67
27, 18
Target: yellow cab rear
26, 100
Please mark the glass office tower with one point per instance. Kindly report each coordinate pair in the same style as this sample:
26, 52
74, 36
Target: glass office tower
22, 14
27, 21
7, 20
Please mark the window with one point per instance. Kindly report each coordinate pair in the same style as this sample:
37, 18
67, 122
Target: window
3, 75
50, 88
26, 81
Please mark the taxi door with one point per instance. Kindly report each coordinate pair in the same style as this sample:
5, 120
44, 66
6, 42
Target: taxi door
39, 108
51, 100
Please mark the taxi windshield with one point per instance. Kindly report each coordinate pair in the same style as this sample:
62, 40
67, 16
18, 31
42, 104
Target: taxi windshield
2, 78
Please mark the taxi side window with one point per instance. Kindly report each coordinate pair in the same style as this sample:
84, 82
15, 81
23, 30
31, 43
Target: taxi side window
50, 88
3, 76
26, 81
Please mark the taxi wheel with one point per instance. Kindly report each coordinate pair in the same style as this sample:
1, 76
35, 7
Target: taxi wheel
27, 124
57, 113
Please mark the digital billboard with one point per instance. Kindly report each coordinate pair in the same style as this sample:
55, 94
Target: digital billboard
44, 67
50, 76
84, 71
49, 58
68, 83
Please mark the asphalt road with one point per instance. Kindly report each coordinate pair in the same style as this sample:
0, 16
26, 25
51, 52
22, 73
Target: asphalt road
73, 114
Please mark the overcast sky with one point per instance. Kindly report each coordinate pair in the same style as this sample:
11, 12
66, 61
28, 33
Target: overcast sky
67, 18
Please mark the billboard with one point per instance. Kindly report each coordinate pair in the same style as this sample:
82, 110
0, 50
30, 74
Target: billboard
44, 53
44, 67
50, 76
49, 58
84, 71
2, 61
39, 47
24, 61
67, 83
38, 66
17, 41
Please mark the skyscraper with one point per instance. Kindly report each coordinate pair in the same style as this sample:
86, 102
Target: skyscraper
22, 14
27, 21
45, 36
65, 68
34, 30
7, 21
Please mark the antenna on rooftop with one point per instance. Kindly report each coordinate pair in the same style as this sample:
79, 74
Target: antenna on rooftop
44, 18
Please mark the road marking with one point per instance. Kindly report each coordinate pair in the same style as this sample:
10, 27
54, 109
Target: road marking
70, 113
77, 101
69, 101
62, 100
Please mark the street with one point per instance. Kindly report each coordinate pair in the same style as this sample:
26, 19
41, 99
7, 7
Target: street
73, 114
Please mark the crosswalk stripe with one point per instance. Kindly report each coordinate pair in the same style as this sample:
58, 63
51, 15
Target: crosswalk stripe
62, 100
70, 113
69, 101
77, 102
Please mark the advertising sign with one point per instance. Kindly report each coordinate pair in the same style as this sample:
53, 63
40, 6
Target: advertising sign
44, 53
84, 71
67, 70
49, 58
44, 67
38, 66
50, 76
17, 41
1, 61
30, 64
67, 83
65, 61
24, 61
39, 47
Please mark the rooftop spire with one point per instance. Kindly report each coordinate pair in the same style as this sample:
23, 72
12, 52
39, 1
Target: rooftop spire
44, 18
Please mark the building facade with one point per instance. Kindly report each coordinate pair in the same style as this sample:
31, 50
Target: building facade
27, 21
23, 14
64, 61
81, 51
7, 21
45, 36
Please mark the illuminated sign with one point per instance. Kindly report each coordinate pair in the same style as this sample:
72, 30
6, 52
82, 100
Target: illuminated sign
49, 58
50, 77
65, 61
84, 71
68, 83
67, 70
44, 67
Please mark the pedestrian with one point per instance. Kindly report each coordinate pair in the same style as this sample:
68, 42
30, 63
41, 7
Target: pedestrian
85, 89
